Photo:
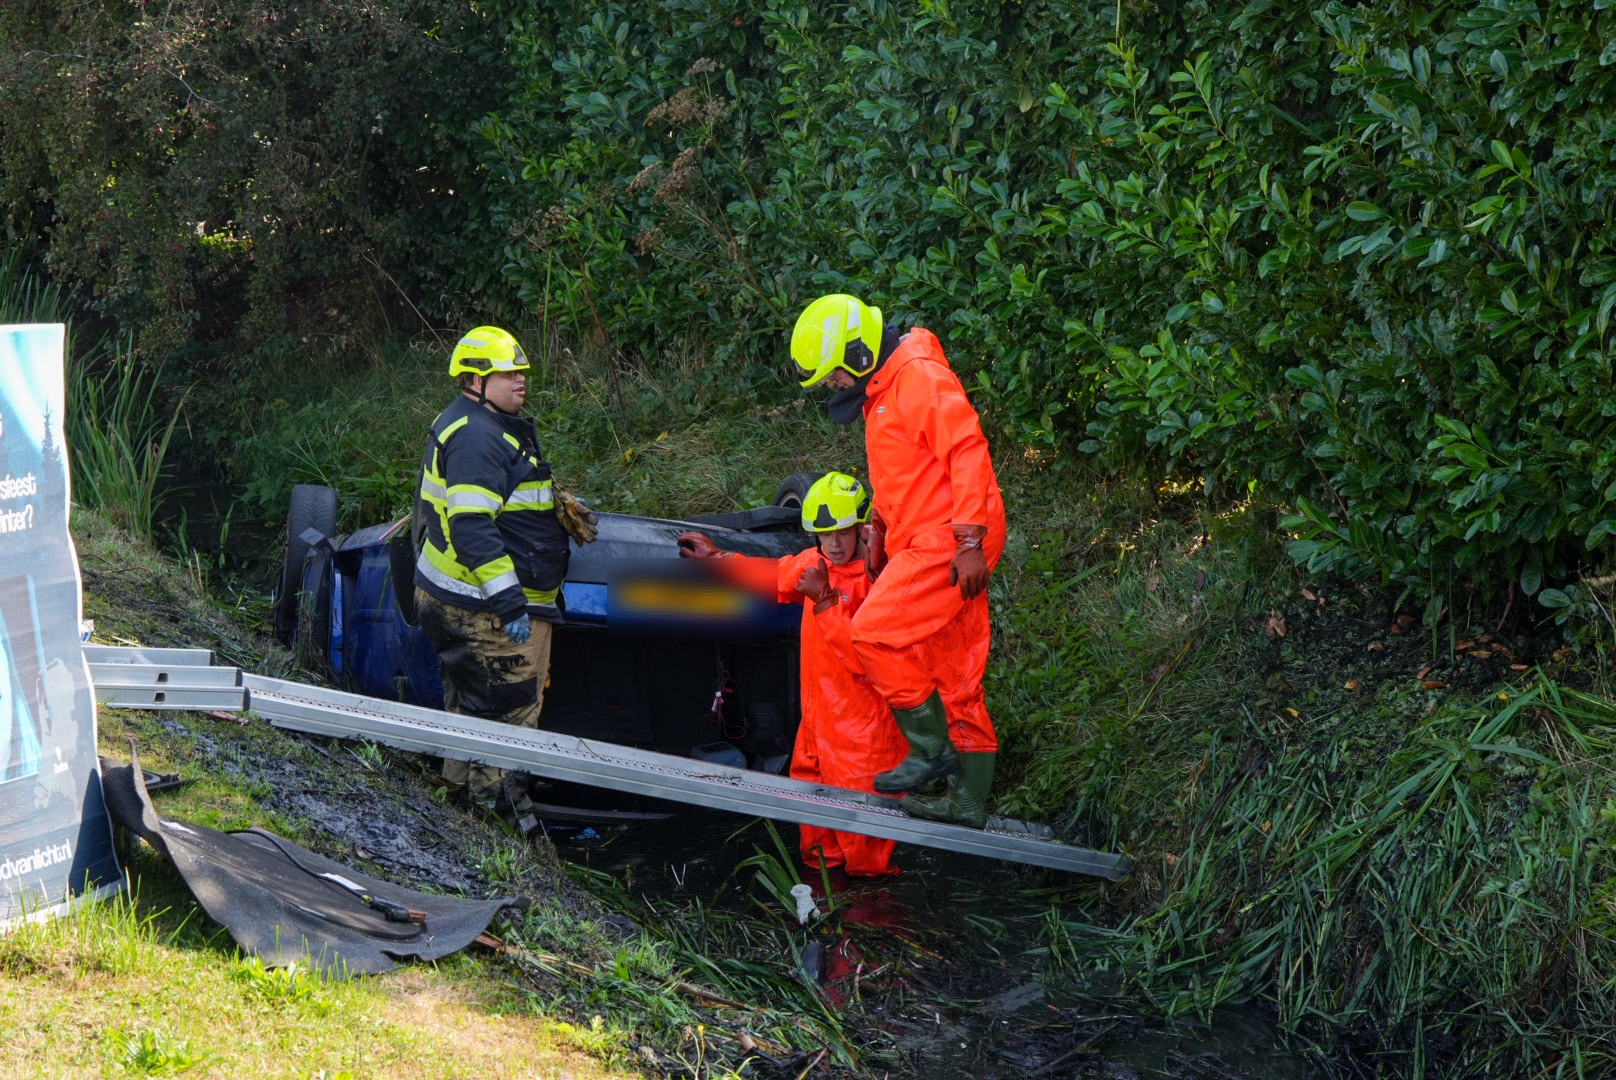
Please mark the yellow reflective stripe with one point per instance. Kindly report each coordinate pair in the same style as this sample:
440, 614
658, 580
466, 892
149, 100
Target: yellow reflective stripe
533, 495
444, 564
540, 596
470, 498
511, 439
485, 581
443, 580
497, 575
452, 428
432, 489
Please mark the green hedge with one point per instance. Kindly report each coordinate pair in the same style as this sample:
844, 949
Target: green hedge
1353, 256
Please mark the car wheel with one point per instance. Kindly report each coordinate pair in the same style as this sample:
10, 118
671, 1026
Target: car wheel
794, 488
312, 506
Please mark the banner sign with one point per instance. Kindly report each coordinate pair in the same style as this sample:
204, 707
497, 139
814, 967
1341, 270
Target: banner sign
55, 838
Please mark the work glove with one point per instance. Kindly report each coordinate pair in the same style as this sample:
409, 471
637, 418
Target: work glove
519, 629
814, 583
874, 536
969, 568
696, 545
575, 516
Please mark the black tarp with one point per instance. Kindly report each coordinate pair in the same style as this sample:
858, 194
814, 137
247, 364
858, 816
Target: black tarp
250, 882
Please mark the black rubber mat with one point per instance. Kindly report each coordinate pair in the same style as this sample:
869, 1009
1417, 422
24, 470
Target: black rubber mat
288, 904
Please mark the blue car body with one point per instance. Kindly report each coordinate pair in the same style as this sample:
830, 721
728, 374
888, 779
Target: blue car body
660, 680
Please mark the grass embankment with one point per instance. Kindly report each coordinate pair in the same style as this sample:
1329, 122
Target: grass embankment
1392, 824
146, 985
1387, 820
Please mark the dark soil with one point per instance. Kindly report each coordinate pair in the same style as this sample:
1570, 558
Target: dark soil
389, 821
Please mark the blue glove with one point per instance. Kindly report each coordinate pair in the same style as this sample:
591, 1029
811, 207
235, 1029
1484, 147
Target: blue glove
518, 629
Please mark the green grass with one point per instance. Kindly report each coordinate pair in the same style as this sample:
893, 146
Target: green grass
1414, 878
119, 432
1394, 840
118, 427
124, 987
626, 442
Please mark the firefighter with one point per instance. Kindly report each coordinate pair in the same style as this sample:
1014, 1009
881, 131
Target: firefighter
937, 531
846, 735
493, 552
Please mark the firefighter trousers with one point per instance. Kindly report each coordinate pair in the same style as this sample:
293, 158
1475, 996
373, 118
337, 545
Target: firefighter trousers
485, 675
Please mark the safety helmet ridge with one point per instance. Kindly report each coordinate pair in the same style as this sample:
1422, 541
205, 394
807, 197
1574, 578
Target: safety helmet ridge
484, 350
835, 501
828, 329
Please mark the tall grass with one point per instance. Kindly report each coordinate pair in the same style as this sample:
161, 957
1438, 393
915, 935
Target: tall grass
117, 434
1415, 880
681, 440
1443, 911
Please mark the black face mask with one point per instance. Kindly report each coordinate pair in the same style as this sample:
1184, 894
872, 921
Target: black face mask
846, 406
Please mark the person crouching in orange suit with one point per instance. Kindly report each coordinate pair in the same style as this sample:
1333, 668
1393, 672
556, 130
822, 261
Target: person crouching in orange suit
922, 633
846, 735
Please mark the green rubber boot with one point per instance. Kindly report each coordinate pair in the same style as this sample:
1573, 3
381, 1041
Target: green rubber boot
966, 800
931, 754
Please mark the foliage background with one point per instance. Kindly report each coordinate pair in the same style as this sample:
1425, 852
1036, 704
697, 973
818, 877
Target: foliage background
1350, 256
1353, 255
1346, 262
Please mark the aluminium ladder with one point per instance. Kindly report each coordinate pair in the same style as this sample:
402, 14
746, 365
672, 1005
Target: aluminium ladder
551, 755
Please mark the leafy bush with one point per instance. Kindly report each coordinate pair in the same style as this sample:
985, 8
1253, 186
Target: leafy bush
1354, 255
226, 172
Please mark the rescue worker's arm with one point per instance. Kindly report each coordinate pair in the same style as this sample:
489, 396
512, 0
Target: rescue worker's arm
941, 419
472, 473
939, 416
813, 584
759, 574
874, 535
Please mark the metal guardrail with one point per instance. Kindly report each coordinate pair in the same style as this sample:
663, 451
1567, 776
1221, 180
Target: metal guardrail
184, 679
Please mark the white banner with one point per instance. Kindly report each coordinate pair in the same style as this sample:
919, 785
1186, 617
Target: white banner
55, 839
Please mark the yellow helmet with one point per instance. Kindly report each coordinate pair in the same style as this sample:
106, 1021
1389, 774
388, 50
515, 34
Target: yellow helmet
835, 501
486, 349
836, 331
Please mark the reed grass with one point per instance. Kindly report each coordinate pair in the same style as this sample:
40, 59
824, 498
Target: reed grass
1417, 883
119, 426
119, 436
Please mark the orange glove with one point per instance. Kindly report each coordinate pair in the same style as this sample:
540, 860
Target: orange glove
814, 583
874, 536
696, 545
969, 568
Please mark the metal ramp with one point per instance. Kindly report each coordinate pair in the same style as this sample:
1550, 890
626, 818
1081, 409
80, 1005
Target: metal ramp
128, 677
323, 711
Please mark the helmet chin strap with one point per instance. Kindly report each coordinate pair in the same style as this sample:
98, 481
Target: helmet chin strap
480, 396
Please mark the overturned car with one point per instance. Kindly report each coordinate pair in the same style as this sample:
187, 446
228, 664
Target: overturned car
652, 653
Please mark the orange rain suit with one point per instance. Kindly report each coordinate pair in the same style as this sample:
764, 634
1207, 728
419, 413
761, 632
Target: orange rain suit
930, 470
847, 733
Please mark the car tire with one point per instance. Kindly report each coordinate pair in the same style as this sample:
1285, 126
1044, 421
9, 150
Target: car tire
312, 506
794, 488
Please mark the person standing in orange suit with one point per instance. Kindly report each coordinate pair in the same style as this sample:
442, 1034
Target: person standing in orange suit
846, 735
938, 530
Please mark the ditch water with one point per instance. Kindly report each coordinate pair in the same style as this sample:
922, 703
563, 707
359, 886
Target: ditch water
1000, 1005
